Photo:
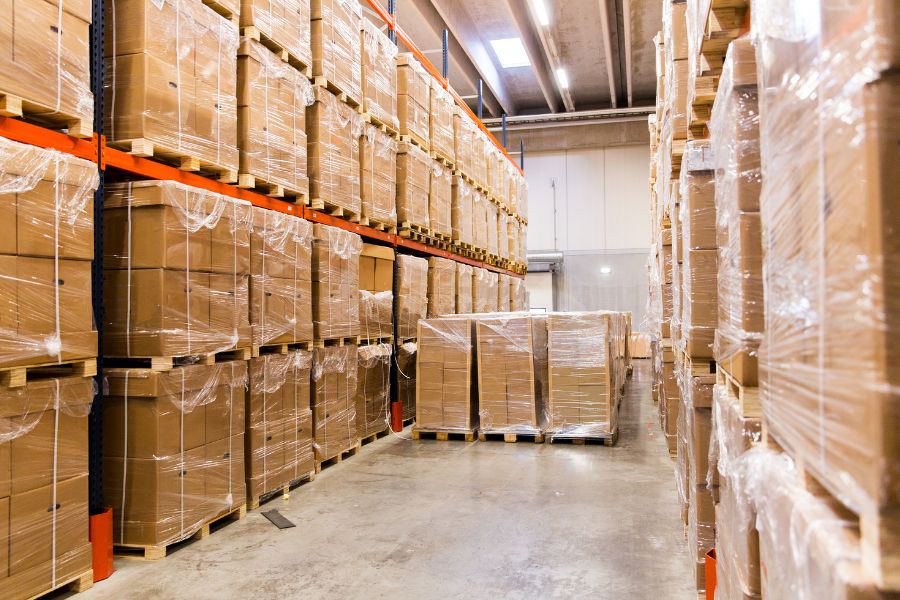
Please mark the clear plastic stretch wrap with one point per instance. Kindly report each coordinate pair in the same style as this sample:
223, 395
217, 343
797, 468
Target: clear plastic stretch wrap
737, 541
413, 184
518, 295
674, 27
49, 71
176, 269
463, 133
512, 237
173, 449
446, 400
46, 245
44, 460
522, 195
511, 184
278, 421
413, 99
272, 98
497, 164
441, 122
441, 286
480, 219
512, 365
503, 292
406, 378
280, 278
484, 290
333, 131
373, 389
335, 282
735, 135
378, 186
463, 289
336, 43
478, 168
379, 75
412, 294
171, 81
334, 400
286, 23
493, 242
462, 208
376, 314
699, 295
583, 374
830, 130
697, 15
523, 243
439, 198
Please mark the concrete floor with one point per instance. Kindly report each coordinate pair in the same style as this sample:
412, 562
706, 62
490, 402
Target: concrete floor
475, 520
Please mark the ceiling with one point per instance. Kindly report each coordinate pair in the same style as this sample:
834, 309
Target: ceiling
605, 47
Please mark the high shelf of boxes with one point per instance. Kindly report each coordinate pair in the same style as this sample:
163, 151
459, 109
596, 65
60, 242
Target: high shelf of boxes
772, 274
247, 334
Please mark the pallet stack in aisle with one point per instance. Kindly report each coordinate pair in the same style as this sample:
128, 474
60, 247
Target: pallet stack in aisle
49, 350
190, 118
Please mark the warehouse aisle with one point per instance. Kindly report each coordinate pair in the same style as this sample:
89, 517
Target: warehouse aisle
455, 520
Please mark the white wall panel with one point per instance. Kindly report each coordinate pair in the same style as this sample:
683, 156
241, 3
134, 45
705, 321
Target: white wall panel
541, 174
627, 201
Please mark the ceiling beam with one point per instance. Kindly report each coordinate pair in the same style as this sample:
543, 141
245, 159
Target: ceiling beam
457, 21
607, 50
523, 22
626, 15
551, 53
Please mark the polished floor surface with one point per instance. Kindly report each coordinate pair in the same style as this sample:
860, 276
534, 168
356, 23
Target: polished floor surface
430, 519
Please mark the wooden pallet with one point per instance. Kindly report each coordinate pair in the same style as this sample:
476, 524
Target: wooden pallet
184, 161
484, 436
248, 181
375, 436
223, 11
14, 377
443, 159
334, 210
747, 396
167, 363
12, 105
374, 341
76, 584
295, 61
254, 502
698, 367
337, 342
378, 224
416, 140
724, 23
144, 552
610, 439
443, 435
385, 128
338, 458
322, 82
257, 351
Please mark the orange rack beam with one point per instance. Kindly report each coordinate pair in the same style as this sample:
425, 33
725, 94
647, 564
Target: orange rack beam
20, 131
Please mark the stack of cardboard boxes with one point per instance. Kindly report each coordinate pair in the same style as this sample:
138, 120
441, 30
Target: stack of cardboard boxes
484, 290
446, 392
413, 100
172, 82
278, 422
333, 130
334, 400
439, 196
373, 389
441, 286
441, 111
336, 42
462, 209
463, 288
335, 282
283, 23
379, 76
378, 177
376, 292
413, 185
412, 295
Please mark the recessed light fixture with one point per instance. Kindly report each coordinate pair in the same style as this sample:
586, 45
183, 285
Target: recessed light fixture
540, 11
605, 270
562, 78
511, 53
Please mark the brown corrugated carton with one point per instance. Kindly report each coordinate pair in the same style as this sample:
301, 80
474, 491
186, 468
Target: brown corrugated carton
334, 400
335, 287
503, 292
440, 121
479, 220
413, 99
378, 177
462, 208
272, 97
463, 288
484, 290
376, 296
463, 133
379, 75
376, 268
284, 22
46, 58
439, 194
446, 393
373, 382
412, 294
333, 129
174, 86
278, 445
441, 286
336, 45
413, 185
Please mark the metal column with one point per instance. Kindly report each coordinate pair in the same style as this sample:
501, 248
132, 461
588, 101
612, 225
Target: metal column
480, 98
445, 39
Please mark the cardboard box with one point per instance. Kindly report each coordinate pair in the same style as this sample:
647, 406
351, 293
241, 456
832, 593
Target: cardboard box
440, 122
413, 185
441, 286
334, 400
285, 22
376, 268
463, 134
446, 394
373, 389
333, 129
379, 75
463, 288
439, 211
518, 295
413, 99
376, 314
503, 299
484, 290
335, 288
336, 45
412, 295
272, 97
378, 176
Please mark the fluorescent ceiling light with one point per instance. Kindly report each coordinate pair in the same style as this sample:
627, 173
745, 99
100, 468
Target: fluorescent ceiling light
511, 53
606, 270
540, 11
562, 78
